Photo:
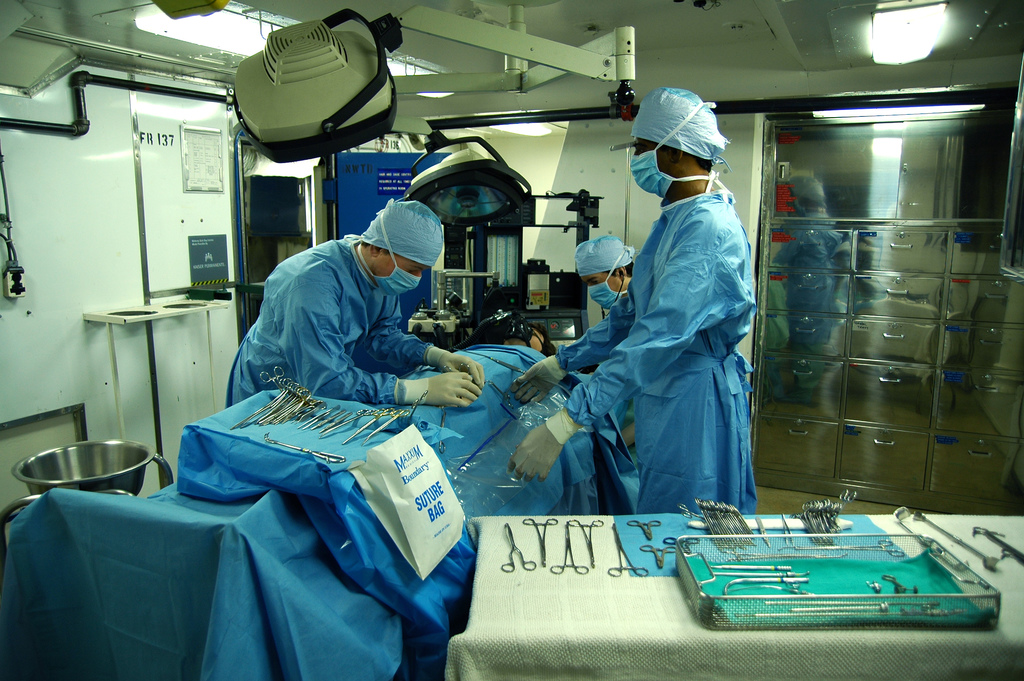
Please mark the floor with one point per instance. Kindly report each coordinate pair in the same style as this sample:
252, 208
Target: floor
771, 501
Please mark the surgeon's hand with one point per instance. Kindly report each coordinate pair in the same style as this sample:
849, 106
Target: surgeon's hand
539, 450
538, 380
449, 361
450, 389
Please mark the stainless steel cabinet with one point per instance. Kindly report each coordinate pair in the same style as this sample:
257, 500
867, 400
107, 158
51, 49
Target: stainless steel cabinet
890, 351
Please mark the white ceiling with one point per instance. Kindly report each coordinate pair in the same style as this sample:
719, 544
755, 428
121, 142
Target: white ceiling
737, 50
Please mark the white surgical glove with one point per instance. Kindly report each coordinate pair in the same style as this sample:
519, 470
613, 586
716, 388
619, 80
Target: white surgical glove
538, 380
452, 389
449, 361
539, 450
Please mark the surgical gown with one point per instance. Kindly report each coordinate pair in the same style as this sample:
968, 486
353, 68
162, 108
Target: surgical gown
317, 308
671, 345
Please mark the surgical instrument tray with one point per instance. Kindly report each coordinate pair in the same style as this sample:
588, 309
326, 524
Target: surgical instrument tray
924, 585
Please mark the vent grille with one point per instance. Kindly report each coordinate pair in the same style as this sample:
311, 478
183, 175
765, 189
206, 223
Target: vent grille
303, 52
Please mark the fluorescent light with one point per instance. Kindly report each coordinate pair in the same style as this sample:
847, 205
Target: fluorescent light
898, 111
905, 35
238, 29
435, 95
530, 129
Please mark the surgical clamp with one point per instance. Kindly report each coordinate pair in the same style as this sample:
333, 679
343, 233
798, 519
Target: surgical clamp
399, 413
510, 566
659, 553
766, 581
646, 527
988, 561
541, 535
326, 456
559, 569
496, 361
374, 415
347, 420
628, 567
588, 536
1008, 551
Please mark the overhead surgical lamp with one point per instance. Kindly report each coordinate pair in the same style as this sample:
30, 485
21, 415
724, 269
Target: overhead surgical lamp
314, 91
468, 187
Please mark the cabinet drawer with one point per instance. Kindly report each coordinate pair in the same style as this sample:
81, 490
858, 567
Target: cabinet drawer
884, 456
985, 300
808, 292
901, 251
805, 335
971, 466
980, 402
985, 347
895, 341
793, 385
810, 249
895, 296
901, 396
797, 446
976, 252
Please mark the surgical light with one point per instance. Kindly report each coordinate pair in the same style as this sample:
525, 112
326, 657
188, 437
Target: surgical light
468, 187
905, 35
314, 91
528, 129
899, 111
239, 29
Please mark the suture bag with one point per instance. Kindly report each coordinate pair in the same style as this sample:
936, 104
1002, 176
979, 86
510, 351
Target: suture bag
406, 486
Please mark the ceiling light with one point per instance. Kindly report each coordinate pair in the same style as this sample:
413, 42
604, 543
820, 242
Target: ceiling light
435, 95
468, 187
239, 29
899, 111
905, 35
529, 129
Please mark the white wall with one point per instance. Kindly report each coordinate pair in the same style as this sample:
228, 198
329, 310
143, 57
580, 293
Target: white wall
76, 205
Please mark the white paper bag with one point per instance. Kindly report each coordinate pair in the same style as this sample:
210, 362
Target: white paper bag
406, 486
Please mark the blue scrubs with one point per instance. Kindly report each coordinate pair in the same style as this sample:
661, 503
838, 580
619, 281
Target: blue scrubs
671, 345
317, 308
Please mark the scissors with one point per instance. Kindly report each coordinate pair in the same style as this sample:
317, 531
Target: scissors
646, 527
510, 566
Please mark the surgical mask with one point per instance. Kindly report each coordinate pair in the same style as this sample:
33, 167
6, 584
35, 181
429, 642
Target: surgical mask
399, 281
644, 167
603, 295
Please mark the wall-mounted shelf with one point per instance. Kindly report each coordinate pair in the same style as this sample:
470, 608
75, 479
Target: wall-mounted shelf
148, 313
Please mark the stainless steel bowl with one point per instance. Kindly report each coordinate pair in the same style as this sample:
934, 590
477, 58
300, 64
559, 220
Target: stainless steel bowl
92, 466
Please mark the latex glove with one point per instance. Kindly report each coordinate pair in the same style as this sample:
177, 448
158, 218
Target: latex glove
538, 380
452, 389
449, 361
539, 450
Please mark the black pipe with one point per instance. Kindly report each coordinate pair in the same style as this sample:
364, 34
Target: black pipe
993, 98
36, 126
86, 78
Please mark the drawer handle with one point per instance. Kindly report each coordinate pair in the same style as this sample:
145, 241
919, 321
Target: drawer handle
887, 443
803, 373
809, 287
893, 336
996, 296
894, 292
905, 246
805, 330
797, 432
974, 452
888, 379
988, 342
986, 388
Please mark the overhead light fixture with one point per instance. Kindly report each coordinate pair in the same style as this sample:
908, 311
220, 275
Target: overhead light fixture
468, 187
905, 35
238, 29
315, 91
528, 129
898, 111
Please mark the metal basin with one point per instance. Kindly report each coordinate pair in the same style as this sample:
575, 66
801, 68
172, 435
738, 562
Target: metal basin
91, 466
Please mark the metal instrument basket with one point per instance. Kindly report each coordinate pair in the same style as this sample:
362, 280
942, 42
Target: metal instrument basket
838, 590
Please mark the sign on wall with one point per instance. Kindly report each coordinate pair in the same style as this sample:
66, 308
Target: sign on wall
202, 159
208, 259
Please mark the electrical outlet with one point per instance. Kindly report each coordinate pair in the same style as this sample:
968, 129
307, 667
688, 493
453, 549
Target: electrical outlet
14, 287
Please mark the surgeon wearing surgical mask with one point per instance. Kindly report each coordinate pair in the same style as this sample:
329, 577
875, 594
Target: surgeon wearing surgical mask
605, 265
671, 345
323, 303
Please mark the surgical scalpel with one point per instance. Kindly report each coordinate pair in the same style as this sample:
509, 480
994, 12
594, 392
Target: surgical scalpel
326, 456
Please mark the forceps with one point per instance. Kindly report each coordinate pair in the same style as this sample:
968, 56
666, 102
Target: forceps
646, 527
659, 554
374, 416
542, 536
496, 361
510, 566
628, 567
326, 456
568, 560
588, 536
399, 414
348, 419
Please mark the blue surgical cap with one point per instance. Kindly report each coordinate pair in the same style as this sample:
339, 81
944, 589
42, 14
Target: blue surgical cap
413, 231
663, 111
602, 254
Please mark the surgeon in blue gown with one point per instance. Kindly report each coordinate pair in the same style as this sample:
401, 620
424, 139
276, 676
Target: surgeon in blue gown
670, 344
323, 303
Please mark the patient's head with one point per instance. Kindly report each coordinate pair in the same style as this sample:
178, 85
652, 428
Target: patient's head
539, 339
